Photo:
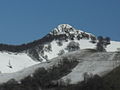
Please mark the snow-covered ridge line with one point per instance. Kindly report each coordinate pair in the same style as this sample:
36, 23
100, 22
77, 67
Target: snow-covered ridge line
67, 30
64, 28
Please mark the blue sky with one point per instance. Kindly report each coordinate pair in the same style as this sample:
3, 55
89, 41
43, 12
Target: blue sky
22, 21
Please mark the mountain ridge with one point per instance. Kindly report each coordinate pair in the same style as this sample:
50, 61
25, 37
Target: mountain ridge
54, 44
62, 57
63, 28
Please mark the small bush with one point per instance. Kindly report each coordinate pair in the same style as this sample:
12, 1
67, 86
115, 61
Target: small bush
61, 52
59, 43
73, 46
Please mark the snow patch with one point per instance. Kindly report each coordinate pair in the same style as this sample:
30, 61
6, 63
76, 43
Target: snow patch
16, 61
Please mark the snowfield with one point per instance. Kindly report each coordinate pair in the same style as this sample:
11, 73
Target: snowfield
114, 46
90, 62
22, 60
96, 63
84, 44
10, 62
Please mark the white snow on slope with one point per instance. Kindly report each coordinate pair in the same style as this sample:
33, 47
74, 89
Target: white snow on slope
21, 74
22, 60
113, 46
16, 61
55, 49
97, 63
84, 44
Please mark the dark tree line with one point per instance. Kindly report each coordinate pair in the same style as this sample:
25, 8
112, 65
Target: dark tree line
18, 48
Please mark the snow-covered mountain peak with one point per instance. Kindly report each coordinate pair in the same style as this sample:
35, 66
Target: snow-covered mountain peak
64, 26
65, 29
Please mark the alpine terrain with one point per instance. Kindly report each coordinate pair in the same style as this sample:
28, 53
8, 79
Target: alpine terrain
65, 56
